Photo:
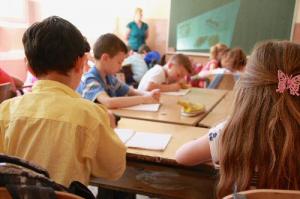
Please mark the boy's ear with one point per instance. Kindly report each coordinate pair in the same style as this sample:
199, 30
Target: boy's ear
170, 65
79, 64
104, 57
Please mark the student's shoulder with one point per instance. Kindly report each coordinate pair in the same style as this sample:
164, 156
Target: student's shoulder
88, 106
8, 105
89, 111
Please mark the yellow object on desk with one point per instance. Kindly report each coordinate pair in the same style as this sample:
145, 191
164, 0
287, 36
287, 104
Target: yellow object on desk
191, 109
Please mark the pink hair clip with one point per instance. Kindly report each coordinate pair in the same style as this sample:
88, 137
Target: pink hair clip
288, 82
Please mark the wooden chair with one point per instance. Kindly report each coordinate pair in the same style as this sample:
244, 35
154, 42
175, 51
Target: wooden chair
222, 81
5, 91
266, 194
4, 194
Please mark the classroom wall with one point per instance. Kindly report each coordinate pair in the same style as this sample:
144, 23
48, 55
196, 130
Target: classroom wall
93, 18
102, 16
11, 31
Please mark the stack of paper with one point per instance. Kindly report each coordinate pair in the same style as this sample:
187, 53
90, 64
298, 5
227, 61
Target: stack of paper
144, 107
143, 140
181, 92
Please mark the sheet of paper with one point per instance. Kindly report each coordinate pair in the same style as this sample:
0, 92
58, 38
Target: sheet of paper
181, 92
144, 107
124, 134
151, 141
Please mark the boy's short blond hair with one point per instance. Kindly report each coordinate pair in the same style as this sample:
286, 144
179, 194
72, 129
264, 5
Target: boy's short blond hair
182, 60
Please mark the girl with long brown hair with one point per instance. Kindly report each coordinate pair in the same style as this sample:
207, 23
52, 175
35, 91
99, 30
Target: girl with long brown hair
259, 145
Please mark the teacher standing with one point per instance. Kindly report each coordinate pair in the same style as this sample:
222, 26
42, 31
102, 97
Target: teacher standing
137, 31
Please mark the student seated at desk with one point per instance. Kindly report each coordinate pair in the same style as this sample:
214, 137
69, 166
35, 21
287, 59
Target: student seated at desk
169, 77
216, 52
53, 126
259, 145
233, 62
101, 85
137, 62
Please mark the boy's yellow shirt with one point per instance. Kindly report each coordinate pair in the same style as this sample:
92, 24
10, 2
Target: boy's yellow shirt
69, 136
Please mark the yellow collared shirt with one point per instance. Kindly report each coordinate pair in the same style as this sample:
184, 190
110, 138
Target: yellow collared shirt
69, 136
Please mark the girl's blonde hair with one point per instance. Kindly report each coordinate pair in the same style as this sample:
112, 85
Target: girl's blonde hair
262, 136
217, 50
138, 10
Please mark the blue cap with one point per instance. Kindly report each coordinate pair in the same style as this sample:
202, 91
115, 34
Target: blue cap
152, 55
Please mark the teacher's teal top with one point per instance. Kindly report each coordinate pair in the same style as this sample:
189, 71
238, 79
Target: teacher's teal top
137, 35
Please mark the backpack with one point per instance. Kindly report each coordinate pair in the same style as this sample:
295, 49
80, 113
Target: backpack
23, 179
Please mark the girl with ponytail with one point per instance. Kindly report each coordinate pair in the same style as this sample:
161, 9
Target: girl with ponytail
259, 145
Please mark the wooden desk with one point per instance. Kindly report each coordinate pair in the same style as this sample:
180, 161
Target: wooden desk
220, 112
169, 111
156, 173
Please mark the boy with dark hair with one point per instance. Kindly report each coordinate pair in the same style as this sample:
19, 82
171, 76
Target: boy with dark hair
53, 126
101, 85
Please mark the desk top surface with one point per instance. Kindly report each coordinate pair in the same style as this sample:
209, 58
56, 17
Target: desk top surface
220, 112
169, 111
180, 135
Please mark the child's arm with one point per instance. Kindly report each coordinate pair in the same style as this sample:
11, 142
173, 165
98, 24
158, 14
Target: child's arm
212, 66
135, 92
194, 152
163, 87
121, 102
19, 83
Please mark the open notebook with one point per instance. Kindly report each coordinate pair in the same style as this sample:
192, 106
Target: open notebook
181, 92
144, 107
143, 140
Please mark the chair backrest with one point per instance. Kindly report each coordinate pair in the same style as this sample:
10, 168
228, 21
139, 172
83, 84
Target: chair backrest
222, 81
265, 194
4, 194
5, 91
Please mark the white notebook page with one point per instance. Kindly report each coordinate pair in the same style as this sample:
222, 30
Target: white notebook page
151, 141
144, 107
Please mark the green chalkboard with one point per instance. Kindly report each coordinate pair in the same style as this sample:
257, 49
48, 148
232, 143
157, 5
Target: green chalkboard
195, 25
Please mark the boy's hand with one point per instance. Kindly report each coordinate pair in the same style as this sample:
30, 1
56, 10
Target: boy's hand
184, 85
155, 94
152, 96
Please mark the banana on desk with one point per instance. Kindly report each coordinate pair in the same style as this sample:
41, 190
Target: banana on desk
190, 107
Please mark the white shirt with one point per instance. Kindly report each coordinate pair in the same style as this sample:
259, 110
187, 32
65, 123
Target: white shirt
214, 137
155, 74
138, 66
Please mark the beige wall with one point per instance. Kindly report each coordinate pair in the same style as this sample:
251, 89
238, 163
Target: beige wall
101, 16
96, 17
